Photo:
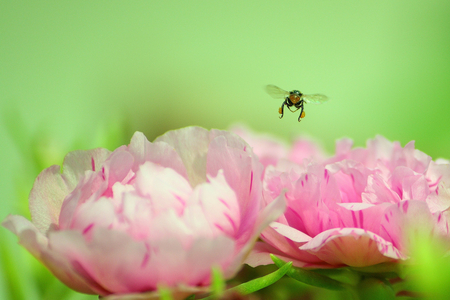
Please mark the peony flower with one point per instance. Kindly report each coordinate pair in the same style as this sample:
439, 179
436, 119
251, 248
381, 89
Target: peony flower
359, 208
164, 213
271, 150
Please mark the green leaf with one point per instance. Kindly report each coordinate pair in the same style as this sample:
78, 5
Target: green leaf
344, 275
257, 284
217, 283
375, 289
383, 270
164, 293
430, 273
310, 277
262, 282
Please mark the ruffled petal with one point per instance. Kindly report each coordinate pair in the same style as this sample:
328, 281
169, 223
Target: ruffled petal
191, 144
76, 163
163, 187
38, 245
51, 187
260, 255
268, 148
110, 261
46, 198
219, 204
354, 247
246, 242
291, 233
160, 153
243, 173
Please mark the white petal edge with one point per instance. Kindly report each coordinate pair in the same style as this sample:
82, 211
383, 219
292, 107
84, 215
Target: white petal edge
291, 233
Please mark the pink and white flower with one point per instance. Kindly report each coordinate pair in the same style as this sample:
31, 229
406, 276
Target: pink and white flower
271, 150
148, 214
358, 208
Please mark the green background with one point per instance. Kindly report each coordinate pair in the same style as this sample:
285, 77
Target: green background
83, 74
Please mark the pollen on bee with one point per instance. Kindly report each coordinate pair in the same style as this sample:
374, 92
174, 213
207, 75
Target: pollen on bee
302, 115
279, 110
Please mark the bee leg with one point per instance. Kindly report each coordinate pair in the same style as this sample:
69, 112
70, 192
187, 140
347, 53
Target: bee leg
281, 109
301, 112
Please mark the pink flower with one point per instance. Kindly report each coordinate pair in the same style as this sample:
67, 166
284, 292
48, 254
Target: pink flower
271, 150
358, 208
148, 214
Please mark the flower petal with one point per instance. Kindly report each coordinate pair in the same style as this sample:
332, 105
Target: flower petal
268, 148
243, 173
191, 144
76, 163
157, 182
354, 247
160, 153
46, 198
37, 244
291, 233
260, 255
219, 204
51, 187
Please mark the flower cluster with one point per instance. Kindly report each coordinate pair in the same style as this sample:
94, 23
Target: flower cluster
358, 208
166, 212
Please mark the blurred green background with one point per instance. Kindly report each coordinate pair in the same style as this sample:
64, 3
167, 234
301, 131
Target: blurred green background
83, 74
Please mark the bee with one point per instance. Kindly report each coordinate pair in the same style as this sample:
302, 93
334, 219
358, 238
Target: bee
294, 98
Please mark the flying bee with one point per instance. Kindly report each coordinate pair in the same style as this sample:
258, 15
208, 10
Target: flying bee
294, 98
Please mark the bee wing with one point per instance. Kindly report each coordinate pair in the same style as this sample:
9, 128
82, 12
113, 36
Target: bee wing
315, 98
276, 92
